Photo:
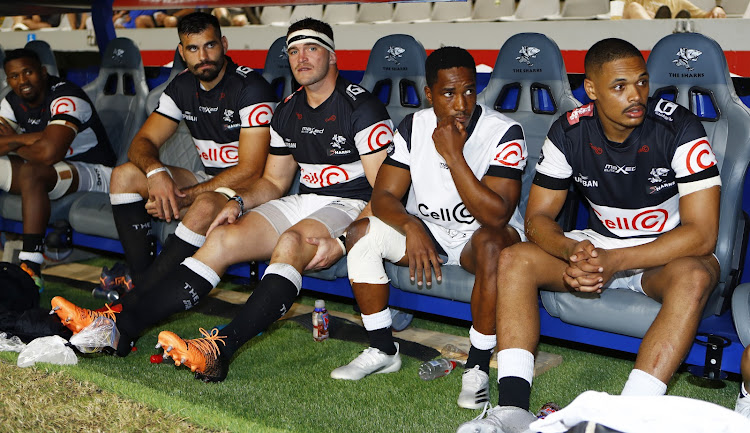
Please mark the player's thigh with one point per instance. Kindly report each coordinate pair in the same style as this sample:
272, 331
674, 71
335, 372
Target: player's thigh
692, 276
252, 237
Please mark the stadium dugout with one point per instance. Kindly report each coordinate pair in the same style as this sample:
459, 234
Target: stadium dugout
727, 62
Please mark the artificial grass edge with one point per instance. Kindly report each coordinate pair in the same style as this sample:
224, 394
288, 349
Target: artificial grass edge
154, 398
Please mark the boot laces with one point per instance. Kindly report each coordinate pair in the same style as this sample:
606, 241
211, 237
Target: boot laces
207, 344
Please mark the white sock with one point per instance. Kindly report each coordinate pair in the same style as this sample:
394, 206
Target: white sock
515, 363
379, 320
189, 236
482, 341
203, 270
124, 198
643, 384
287, 271
31, 257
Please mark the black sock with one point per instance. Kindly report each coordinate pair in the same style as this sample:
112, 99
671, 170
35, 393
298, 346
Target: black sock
177, 291
382, 339
174, 251
480, 358
138, 242
270, 300
33, 243
514, 391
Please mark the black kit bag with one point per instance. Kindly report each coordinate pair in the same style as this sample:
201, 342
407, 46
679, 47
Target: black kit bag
20, 314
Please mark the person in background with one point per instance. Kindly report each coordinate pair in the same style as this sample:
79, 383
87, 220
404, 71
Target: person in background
660, 9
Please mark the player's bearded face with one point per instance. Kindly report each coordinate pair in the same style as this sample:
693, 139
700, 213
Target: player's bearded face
454, 95
204, 54
27, 79
621, 90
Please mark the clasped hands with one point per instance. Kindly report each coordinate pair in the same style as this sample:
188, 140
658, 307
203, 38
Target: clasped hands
589, 268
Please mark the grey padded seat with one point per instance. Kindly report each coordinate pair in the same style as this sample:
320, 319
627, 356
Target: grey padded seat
47, 57
10, 205
546, 69
395, 73
630, 313
119, 94
277, 71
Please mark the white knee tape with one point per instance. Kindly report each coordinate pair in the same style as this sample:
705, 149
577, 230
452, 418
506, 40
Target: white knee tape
365, 259
64, 179
6, 173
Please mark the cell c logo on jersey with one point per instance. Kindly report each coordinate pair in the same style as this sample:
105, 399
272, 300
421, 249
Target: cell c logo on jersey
512, 155
261, 115
651, 220
699, 157
332, 175
228, 154
63, 105
380, 136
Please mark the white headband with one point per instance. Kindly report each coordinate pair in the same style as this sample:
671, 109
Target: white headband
307, 36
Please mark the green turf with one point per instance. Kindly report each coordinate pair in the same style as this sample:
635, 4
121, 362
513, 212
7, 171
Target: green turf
280, 381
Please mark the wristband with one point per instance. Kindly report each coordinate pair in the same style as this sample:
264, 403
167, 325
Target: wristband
241, 202
227, 192
342, 242
154, 171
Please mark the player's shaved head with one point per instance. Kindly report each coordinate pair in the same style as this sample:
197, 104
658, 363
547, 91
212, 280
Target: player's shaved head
608, 50
22, 53
447, 58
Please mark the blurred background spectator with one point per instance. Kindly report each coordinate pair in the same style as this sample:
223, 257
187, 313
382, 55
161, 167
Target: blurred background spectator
650, 9
35, 22
236, 16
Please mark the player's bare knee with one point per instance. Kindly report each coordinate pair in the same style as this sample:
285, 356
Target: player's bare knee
290, 240
693, 279
356, 231
515, 257
126, 178
487, 243
32, 173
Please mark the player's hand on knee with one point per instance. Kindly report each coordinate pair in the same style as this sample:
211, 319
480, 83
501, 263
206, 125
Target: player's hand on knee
229, 214
329, 252
164, 194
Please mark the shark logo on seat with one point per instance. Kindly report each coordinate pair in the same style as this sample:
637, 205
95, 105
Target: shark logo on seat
526, 54
394, 53
685, 56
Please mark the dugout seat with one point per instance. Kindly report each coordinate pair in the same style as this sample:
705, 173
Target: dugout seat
120, 95
530, 85
46, 56
277, 71
395, 74
690, 69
